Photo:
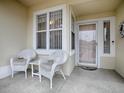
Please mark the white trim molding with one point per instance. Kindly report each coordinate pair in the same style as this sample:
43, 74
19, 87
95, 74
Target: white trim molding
64, 29
108, 57
5, 71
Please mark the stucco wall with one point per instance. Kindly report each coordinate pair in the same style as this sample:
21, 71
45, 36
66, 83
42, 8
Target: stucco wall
13, 25
120, 41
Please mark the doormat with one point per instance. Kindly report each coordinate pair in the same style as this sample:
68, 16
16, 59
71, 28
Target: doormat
88, 68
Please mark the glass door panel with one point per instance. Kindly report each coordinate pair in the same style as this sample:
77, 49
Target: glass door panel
106, 37
87, 44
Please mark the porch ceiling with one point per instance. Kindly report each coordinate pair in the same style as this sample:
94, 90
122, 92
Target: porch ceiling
95, 6
82, 7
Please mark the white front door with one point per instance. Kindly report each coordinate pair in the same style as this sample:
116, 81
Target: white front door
87, 36
102, 31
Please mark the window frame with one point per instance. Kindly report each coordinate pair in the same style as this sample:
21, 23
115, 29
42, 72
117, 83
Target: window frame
104, 51
47, 11
56, 29
112, 37
71, 14
40, 31
72, 32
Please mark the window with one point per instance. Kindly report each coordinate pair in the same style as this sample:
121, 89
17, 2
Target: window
55, 26
49, 30
106, 36
72, 33
72, 40
41, 31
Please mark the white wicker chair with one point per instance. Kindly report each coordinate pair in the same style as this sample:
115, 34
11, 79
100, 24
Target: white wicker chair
21, 61
48, 70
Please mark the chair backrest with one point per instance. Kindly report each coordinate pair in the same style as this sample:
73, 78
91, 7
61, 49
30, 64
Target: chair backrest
60, 56
27, 54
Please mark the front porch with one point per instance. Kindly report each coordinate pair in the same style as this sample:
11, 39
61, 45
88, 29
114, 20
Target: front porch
80, 81
50, 25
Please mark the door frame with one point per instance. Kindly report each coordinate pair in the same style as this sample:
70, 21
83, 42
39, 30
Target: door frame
100, 53
87, 64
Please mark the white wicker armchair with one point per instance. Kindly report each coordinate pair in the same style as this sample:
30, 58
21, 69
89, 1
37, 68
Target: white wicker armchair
21, 61
47, 70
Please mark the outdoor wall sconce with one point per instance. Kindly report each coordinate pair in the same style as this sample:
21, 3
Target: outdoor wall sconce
122, 29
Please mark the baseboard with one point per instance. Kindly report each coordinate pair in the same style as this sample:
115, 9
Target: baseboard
119, 72
5, 71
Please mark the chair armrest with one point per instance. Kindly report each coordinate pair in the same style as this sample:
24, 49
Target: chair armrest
35, 62
12, 60
28, 60
53, 68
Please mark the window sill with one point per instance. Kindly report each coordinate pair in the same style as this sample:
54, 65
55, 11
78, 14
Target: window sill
45, 51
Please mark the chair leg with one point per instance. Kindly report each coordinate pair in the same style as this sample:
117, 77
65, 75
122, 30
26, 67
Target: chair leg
62, 74
39, 72
25, 74
32, 69
12, 74
51, 83
40, 77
